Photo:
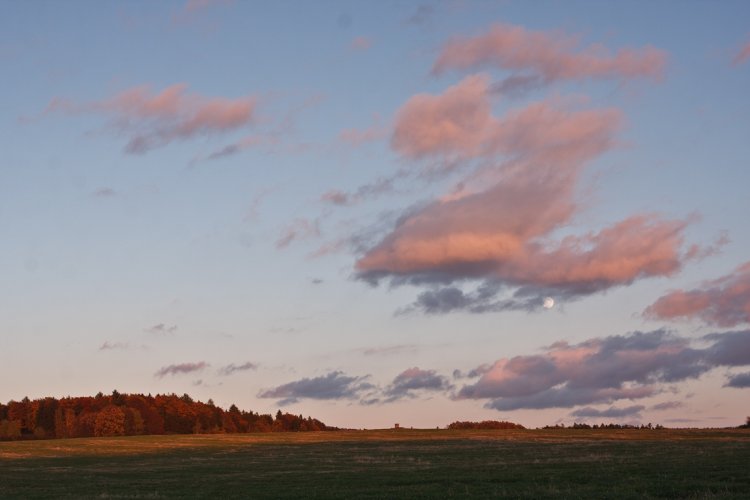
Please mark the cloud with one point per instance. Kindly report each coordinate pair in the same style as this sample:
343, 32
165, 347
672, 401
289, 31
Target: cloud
723, 302
739, 381
611, 412
364, 192
104, 192
498, 225
743, 55
357, 137
422, 15
668, 405
161, 329
390, 350
180, 369
197, 5
194, 10
232, 368
107, 345
551, 56
451, 299
299, 229
361, 43
414, 379
153, 119
603, 370
335, 385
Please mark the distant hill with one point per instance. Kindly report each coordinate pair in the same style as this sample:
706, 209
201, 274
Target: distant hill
135, 414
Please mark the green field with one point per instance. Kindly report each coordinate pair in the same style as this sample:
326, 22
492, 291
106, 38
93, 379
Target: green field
555, 463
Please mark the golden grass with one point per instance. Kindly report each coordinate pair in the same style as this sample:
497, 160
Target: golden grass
155, 444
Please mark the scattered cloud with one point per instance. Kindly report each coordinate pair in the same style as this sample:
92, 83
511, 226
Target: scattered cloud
161, 329
335, 385
742, 55
611, 412
193, 10
668, 405
422, 15
356, 137
723, 302
299, 229
739, 381
180, 369
603, 370
361, 43
104, 192
390, 350
413, 380
107, 345
368, 191
550, 56
231, 368
154, 119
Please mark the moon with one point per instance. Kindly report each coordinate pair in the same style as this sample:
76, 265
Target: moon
549, 303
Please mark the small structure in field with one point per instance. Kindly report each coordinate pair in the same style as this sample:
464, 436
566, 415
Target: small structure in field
396, 426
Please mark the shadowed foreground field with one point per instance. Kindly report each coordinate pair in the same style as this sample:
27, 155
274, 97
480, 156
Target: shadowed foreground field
556, 463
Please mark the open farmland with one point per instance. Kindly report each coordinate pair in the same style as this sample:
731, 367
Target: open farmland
386, 464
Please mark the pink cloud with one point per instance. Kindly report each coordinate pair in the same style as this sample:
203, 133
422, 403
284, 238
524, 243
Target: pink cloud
499, 224
458, 125
724, 302
454, 123
361, 43
550, 55
742, 55
155, 119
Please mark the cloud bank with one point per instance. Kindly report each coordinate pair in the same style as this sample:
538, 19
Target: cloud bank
603, 370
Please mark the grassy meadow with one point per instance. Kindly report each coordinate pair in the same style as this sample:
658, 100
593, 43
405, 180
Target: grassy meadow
554, 463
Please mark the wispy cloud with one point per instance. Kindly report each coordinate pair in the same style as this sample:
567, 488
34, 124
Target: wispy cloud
154, 119
161, 329
548, 55
361, 43
742, 55
107, 345
299, 229
232, 368
104, 192
181, 369
422, 15
668, 405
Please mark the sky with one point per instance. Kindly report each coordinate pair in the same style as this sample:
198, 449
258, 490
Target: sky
380, 212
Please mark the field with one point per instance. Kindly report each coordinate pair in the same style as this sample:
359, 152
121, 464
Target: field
559, 463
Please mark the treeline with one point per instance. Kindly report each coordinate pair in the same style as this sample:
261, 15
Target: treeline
135, 414
485, 424
577, 425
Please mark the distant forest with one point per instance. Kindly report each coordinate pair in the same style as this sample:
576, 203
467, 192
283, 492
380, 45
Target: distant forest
135, 414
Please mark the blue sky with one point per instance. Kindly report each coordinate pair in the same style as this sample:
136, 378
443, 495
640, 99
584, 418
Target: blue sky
219, 182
